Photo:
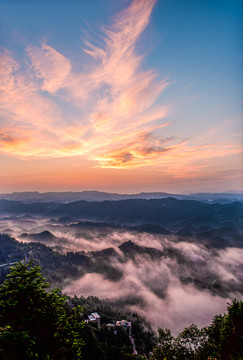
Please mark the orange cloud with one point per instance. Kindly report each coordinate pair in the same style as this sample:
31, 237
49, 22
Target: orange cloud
117, 113
118, 117
9, 140
143, 150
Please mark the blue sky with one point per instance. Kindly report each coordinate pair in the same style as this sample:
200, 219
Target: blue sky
184, 64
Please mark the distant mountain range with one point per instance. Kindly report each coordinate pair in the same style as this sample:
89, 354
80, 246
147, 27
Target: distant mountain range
66, 197
138, 252
171, 213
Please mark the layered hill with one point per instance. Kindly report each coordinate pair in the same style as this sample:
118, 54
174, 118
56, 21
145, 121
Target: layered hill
169, 212
69, 196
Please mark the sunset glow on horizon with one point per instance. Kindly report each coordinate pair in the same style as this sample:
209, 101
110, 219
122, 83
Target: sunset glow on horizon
124, 96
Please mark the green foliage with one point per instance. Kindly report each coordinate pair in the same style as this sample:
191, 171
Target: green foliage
37, 324
55, 266
222, 340
34, 322
165, 349
111, 311
231, 333
185, 346
107, 343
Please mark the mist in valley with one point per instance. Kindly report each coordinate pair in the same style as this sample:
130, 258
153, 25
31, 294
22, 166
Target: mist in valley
170, 280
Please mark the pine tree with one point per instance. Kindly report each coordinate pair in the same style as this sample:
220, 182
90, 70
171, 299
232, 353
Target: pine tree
33, 322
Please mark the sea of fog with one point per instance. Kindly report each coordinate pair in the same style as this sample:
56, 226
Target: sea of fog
171, 282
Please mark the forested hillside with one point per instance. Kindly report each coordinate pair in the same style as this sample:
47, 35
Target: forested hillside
39, 324
169, 212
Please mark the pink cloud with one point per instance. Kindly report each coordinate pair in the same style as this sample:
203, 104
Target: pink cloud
118, 120
50, 66
21, 101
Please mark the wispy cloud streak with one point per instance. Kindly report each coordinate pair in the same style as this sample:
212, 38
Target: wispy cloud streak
110, 114
50, 66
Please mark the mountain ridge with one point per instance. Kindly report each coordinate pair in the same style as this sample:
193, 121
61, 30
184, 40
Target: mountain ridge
94, 195
169, 212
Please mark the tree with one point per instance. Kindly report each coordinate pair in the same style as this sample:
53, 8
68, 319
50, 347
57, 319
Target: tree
190, 343
225, 334
33, 322
165, 347
231, 334
223, 339
212, 346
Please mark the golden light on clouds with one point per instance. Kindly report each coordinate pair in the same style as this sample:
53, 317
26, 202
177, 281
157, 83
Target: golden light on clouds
110, 115
109, 129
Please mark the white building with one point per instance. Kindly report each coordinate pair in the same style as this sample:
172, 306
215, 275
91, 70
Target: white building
94, 317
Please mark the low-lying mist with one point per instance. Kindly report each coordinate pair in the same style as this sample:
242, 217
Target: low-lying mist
173, 291
172, 281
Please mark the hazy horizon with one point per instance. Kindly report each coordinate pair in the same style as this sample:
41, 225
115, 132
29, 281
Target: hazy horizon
122, 192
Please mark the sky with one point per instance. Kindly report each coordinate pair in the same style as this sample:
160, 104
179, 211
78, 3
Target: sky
121, 96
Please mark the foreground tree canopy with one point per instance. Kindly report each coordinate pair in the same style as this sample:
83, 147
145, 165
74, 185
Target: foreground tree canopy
222, 340
34, 323
37, 324
40, 324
